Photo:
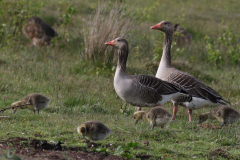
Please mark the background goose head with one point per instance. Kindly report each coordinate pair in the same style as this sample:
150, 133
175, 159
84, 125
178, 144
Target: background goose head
164, 26
119, 43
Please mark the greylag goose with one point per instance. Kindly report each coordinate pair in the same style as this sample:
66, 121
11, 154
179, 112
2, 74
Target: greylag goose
200, 94
38, 31
183, 37
223, 113
156, 116
34, 102
93, 130
140, 90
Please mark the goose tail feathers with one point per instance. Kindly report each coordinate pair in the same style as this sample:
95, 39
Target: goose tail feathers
220, 101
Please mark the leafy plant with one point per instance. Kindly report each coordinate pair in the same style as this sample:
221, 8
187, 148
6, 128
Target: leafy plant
104, 150
225, 48
18, 11
126, 150
213, 54
10, 155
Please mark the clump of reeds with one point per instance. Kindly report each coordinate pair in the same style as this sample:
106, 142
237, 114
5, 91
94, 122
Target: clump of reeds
106, 23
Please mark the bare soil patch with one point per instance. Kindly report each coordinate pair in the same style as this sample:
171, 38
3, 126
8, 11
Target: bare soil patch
29, 149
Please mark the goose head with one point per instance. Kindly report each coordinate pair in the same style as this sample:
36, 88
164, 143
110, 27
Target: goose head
202, 118
138, 116
119, 43
82, 130
164, 26
176, 26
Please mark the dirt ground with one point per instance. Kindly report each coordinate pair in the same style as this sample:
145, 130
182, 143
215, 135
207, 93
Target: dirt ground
29, 149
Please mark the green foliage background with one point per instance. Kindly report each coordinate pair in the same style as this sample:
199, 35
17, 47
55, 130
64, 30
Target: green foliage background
81, 91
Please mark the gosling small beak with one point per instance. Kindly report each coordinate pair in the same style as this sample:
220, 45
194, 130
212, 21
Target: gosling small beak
83, 135
199, 122
157, 26
136, 122
111, 43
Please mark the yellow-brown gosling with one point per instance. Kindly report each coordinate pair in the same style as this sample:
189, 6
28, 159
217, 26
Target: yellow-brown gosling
34, 102
223, 113
156, 116
93, 130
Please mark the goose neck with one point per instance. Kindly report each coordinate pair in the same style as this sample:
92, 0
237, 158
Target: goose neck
166, 55
122, 59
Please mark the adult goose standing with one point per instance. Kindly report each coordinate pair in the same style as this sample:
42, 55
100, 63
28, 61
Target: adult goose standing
200, 94
140, 90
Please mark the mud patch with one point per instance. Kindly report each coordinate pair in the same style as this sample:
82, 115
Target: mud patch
208, 126
219, 153
30, 148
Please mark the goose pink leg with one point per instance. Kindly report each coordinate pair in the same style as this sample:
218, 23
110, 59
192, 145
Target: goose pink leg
174, 112
190, 115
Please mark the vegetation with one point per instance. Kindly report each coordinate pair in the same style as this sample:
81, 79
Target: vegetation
81, 91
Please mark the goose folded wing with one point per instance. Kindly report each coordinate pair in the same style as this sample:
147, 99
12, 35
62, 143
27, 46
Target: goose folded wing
195, 87
157, 85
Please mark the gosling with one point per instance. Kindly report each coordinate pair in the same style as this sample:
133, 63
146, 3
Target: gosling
223, 113
156, 116
93, 130
34, 102
38, 32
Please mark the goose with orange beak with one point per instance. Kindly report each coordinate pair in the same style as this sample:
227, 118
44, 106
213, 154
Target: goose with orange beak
140, 90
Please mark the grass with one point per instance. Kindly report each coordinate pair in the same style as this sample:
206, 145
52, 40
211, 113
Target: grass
82, 92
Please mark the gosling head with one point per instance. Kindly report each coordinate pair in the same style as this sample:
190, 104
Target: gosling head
138, 116
82, 130
164, 26
203, 118
14, 109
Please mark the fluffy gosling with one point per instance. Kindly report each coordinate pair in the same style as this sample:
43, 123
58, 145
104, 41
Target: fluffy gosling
93, 130
224, 114
34, 102
156, 116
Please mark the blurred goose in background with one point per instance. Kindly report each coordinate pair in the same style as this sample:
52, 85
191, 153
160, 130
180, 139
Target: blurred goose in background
38, 31
140, 90
184, 38
93, 130
200, 94
223, 113
34, 102
156, 116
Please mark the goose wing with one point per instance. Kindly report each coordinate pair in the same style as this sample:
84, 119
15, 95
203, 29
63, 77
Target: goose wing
151, 88
195, 87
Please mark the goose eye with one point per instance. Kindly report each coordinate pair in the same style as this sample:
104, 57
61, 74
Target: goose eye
118, 40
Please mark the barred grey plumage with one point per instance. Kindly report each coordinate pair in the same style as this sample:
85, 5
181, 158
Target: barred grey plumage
140, 90
200, 94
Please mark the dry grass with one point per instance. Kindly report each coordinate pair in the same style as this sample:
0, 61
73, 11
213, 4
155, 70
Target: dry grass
104, 25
